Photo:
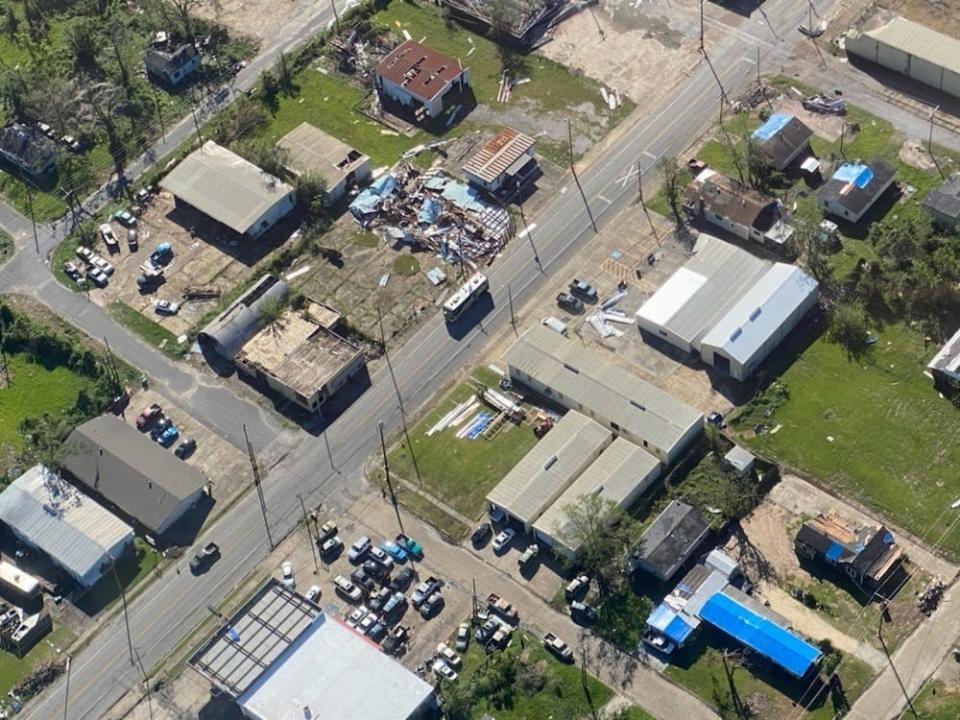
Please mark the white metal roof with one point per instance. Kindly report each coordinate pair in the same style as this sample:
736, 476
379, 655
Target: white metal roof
672, 296
223, 185
920, 41
552, 464
55, 517
948, 358
759, 313
615, 475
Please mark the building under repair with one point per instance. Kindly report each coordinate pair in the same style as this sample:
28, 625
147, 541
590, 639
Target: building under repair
432, 210
525, 22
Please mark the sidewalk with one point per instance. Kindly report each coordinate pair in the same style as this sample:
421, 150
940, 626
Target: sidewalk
460, 568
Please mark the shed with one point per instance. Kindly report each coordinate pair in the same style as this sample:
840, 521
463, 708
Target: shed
943, 203
310, 150
504, 161
670, 540
740, 460
52, 516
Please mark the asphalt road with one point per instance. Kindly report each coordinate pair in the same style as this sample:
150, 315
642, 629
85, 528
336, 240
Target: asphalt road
172, 605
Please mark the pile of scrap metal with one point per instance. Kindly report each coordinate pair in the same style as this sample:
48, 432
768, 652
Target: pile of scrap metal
836, 105
358, 49
528, 22
758, 95
432, 210
609, 313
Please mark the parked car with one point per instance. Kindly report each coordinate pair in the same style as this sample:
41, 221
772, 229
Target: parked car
380, 599
486, 631
393, 550
500, 638
375, 570
286, 574
186, 448
570, 303
328, 529
410, 545
84, 253
528, 555
449, 656
558, 647
163, 422
497, 515
577, 587
659, 643
481, 534
498, 606
166, 307
162, 254
378, 631
97, 276
424, 590
148, 416
463, 636
142, 196
71, 270
148, 282
444, 671
381, 557
107, 235
360, 548
363, 581
367, 622
503, 539
208, 555
394, 607
125, 217
101, 264
354, 618
168, 436
347, 590
313, 594
431, 606
401, 581
583, 289
582, 613
331, 546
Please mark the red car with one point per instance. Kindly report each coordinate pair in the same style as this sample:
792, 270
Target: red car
148, 416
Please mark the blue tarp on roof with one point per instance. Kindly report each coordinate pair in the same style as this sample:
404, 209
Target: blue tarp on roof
834, 551
774, 124
760, 634
370, 198
669, 623
856, 173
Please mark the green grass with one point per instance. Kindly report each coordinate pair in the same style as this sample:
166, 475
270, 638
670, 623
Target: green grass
937, 701
562, 695
365, 239
6, 247
152, 332
34, 389
406, 265
895, 443
420, 506
459, 471
132, 568
698, 667
14, 669
635, 713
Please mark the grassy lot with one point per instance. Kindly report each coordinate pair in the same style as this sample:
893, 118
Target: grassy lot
34, 388
406, 265
153, 333
938, 701
699, 668
873, 429
460, 471
14, 669
329, 100
132, 568
544, 687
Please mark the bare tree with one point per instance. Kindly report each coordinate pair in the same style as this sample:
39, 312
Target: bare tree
184, 9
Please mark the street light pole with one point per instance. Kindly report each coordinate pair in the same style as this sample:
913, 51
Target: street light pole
126, 617
306, 526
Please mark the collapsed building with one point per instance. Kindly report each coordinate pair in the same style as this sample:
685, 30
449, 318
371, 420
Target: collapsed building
432, 210
523, 22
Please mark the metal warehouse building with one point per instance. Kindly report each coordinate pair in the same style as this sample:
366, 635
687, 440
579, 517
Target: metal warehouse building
77, 534
729, 306
535, 483
913, 49
578, 379
621, 474
281, 657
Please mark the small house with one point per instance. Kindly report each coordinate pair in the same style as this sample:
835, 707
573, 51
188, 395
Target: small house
171, 66
782, 139
945, 366
505, 162
943, 204
419, 78
854, 188
670, 541
867, 554
310, 150
28, 150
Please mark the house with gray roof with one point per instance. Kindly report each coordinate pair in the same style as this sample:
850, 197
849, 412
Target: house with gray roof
171, 66
28, 150
943, 204
670, 540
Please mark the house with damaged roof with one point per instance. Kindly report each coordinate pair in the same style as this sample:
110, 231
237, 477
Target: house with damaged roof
419, 78
867, 554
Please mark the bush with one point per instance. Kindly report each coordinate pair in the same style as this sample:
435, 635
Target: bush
849, 327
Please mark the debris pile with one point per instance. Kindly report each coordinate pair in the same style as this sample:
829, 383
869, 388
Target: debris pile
609, 313
930, 598
432, 210
524, 22
37, 681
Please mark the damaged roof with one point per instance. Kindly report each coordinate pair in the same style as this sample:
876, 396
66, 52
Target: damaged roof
498, 154
420, 70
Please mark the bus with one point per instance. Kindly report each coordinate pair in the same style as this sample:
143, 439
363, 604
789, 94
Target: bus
464, 297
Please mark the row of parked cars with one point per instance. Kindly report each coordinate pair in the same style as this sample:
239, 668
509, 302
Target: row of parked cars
163, 430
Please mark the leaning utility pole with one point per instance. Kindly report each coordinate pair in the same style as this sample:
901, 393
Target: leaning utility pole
702, 49
66, 689
576, 178
306, 526
257, 484
396, 387
513, 319
386, 472
643, 202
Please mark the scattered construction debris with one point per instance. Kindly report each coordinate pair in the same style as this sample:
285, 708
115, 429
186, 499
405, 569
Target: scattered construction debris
37, 681
432, 210
608, 313
526, 23
836, 105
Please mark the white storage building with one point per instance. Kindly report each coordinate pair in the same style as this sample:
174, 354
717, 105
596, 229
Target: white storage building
52, 516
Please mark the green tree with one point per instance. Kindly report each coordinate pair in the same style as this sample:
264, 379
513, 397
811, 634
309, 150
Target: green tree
849, 327
269, 89
45, 438
84, 44
604, 533
670, 169
10, 20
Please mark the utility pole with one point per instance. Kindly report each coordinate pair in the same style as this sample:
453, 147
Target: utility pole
843, 127
474, 608
526, 230
196, 123
336, 16
156, 102
114, 374
930, 143
126, 618
329, 452
396, 387
3, 352
643, 202
257, 484
702, 49
893, 667
576, 179
66, 689
386, 472
513, 319
33, 219
759, 84
306, 526
146, 682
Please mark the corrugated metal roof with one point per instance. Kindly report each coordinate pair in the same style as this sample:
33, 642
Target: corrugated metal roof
310, 149
551, 465
422, 71
498, 154
920, 41
55, 517
615, 475
224, 186
698, 294
587, 380
757, 316
948, 358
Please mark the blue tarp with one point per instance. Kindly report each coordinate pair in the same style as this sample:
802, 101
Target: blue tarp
429, 211
774, 124
856, 173
760, 634
370, 198
669, 623
834, 551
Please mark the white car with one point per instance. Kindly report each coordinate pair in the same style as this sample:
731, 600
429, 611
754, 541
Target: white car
444, 671
463, 636
313, 594
368, 622
503, 539
166, 307
380, 555
103, 265
106, 232
354, 618
287, 572
449, 656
